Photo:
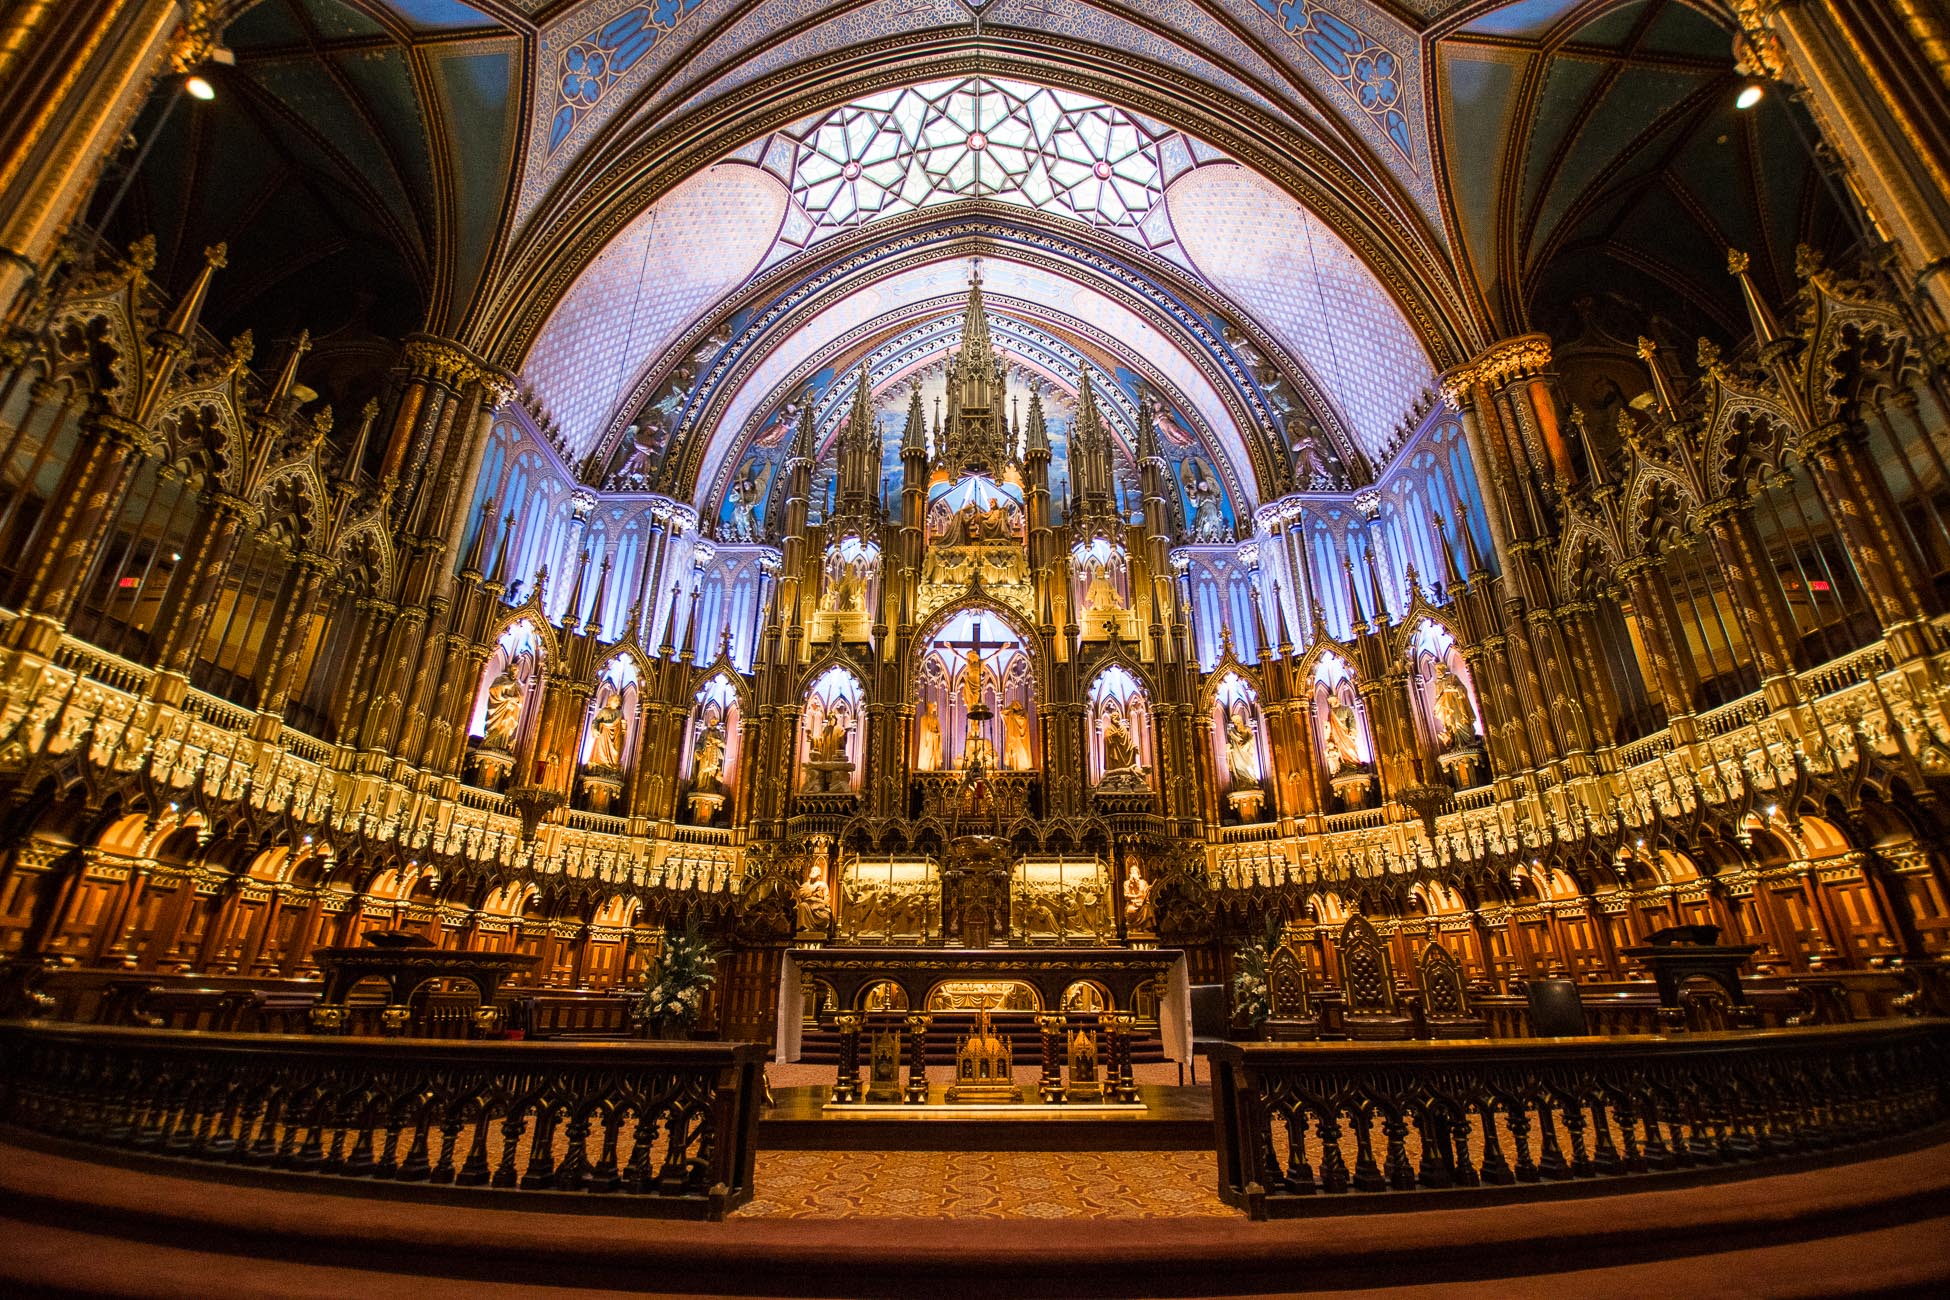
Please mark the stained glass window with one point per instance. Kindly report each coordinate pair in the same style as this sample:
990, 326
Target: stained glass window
977, 138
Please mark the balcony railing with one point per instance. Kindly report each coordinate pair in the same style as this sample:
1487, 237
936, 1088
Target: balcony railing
669, 1127
1297, 1121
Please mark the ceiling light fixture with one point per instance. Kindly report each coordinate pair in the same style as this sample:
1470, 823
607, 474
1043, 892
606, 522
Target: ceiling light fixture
1750, 94
200, 88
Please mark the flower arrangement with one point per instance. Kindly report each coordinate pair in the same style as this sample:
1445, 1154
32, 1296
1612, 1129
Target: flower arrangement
673, 990
1252, 992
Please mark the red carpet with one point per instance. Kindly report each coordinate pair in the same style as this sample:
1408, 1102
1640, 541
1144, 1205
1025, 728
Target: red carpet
1879, 1226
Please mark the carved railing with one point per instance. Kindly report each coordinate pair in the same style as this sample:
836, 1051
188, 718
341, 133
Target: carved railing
670, 1127
1295, 1121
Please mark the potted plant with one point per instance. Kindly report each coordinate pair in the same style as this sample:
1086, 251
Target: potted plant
1252, 992
673, 990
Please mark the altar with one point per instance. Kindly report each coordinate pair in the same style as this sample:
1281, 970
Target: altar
920, 973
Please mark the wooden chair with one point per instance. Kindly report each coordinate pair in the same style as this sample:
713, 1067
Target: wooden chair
1293, 1018
1556, 1008
1368, 983
1445, 1003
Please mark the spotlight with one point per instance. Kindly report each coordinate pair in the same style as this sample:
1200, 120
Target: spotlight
1750, 94
200, 89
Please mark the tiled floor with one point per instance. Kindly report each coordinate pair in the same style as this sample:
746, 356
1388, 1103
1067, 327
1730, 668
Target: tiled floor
986, 1185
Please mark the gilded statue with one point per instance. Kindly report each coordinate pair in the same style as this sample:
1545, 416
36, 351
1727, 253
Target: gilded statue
1101, 593
929, 759
1242, 748
503, 710
1137, 900
606, 732
1453, 714
1343, 731
707, 756
1015, 737
829, 742
1120, 747
813, 904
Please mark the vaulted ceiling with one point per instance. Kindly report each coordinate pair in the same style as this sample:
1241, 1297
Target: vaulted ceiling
1329, 200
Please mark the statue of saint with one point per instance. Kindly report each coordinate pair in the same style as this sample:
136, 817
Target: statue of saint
1453, 714
814, 906
742, 526
1242, 748
930, 755
1120, 748
829, 743
1101, 593
1137, 899
1208, 522
606, 729
707, 756
1015, 737
1343, 730
503, 710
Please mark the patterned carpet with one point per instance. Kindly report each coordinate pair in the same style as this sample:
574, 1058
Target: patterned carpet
986, 1185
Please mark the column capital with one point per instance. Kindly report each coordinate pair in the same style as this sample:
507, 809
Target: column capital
1510, 357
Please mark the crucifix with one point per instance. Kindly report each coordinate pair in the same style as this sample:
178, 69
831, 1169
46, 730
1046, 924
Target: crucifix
975, 671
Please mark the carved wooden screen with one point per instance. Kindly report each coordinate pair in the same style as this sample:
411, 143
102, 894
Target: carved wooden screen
1364, 968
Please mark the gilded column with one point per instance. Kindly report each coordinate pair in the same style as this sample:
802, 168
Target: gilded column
98, 62
1756, 590
1858, 500
1873, 77
1673, 673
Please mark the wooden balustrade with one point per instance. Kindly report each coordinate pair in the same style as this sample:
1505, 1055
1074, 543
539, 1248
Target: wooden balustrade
1294, 1121
670, 1126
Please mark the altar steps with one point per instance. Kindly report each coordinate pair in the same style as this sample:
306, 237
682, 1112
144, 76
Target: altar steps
821, 1045
1173, 1119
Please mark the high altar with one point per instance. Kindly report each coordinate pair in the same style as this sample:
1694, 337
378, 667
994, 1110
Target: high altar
1017, 777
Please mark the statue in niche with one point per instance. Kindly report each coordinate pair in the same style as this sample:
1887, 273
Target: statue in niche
744, 494
1137, 899
829, 742
707, 755
846, 583
1101, 593
1120, 747
1453, 714
1015, 737
503, 710
813, 904
1242, 748
1343, 731
929, 759
1208, 523
606, 732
